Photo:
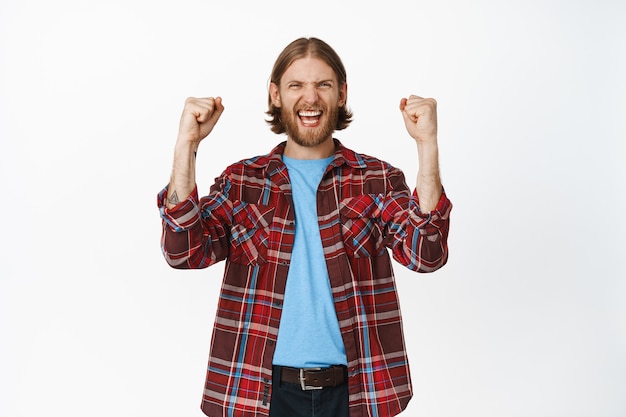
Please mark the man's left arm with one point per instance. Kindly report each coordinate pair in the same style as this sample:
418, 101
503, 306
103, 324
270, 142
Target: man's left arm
420, 118
421, 243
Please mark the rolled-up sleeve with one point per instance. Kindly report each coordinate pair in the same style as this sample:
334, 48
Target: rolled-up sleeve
418, 240
196, 231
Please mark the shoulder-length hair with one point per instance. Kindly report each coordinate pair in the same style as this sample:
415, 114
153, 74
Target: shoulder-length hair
301, 48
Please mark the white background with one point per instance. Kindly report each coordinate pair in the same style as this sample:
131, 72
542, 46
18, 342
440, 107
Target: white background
527, 319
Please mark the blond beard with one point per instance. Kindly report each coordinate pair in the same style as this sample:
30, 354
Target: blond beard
311, 137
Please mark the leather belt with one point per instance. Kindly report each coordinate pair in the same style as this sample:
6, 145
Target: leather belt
314, 378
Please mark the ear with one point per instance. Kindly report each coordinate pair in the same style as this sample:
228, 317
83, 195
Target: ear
275, 95
343, 94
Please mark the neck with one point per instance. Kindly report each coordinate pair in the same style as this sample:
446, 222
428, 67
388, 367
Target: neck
320, 151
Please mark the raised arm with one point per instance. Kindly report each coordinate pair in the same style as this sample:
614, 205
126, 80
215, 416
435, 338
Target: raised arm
198, 119
420, 118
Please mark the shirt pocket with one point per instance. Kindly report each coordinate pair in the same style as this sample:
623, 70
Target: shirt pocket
361, 225
249, 233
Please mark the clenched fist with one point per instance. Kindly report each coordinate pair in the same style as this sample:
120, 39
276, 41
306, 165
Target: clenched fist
420, 118
199, 117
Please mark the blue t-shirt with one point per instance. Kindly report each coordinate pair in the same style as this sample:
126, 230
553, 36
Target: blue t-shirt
309, 334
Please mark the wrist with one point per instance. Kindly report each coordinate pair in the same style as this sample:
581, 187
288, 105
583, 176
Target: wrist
427, 149
426, 140
185, 146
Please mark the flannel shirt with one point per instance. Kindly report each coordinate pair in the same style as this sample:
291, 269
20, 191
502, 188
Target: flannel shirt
365, 211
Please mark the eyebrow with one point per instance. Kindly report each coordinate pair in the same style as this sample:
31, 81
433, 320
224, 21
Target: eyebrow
330, 80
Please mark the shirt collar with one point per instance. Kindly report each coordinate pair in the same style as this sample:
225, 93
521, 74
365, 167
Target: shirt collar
273, 161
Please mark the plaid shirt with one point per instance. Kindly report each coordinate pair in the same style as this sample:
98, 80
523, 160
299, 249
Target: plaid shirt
365, 210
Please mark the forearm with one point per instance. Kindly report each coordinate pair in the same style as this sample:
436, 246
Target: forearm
428, 184
183, 179
198, 119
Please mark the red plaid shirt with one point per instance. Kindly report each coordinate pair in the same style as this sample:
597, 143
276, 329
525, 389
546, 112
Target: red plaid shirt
365, 210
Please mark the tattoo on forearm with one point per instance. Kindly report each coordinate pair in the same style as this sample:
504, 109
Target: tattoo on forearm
174, 198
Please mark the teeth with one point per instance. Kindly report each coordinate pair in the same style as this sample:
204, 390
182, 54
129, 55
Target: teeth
309, 113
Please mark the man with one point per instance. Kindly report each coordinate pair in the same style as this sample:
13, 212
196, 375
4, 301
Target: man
308, 321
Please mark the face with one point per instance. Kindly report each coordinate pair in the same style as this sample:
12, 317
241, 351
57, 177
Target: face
309, 98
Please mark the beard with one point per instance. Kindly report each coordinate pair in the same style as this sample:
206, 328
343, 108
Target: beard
309, 136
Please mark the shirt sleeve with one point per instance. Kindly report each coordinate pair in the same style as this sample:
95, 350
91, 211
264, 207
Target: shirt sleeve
196, 231
417, 240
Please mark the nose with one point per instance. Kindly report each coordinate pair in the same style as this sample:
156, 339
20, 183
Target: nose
310, 94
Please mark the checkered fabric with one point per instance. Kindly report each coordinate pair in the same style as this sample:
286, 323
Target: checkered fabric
365, 212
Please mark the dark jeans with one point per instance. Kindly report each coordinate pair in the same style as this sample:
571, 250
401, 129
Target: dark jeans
289, 400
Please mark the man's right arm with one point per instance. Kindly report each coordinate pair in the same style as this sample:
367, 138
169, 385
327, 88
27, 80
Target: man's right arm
187, 241
198, 119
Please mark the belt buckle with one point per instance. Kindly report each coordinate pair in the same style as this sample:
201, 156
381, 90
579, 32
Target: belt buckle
302, 379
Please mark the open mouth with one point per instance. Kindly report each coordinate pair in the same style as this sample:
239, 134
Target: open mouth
310, 117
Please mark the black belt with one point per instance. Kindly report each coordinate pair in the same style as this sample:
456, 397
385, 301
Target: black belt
314, 378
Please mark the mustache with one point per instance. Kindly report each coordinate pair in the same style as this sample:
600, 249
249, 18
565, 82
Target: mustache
310, 108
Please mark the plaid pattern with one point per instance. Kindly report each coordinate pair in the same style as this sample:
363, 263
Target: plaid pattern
365, 211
